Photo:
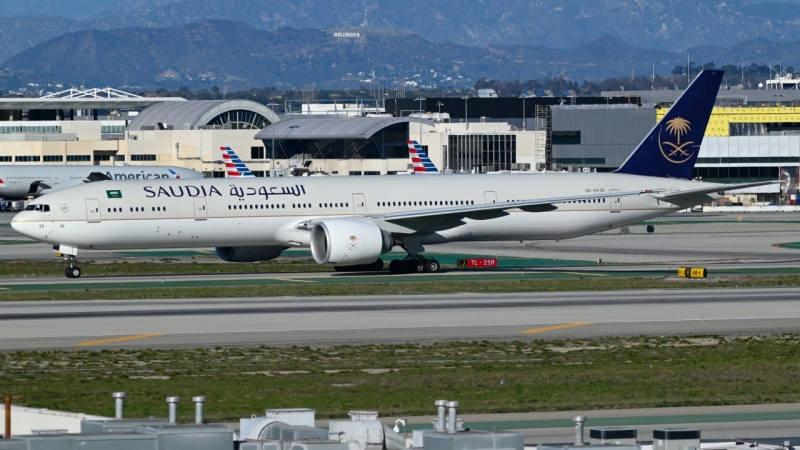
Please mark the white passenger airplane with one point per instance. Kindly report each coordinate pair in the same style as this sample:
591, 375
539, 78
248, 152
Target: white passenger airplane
18, 182
350, 221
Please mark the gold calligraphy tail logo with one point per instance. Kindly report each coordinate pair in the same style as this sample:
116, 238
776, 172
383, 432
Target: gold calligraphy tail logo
678, 127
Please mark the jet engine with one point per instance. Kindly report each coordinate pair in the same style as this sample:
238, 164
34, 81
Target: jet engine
348, 242
249, 254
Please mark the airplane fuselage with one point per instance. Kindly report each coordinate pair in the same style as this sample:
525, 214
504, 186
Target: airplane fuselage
16, 180
269, 211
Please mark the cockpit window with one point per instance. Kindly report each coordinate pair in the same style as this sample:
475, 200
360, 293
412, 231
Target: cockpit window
40, 208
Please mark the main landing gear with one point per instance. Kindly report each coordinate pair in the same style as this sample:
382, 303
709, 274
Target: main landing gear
418, 264
72, 271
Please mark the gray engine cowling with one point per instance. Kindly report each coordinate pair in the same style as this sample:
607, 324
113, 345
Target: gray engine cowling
249, 254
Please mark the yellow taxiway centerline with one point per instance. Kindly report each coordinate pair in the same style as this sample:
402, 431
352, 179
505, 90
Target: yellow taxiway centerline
556, 327
119, 339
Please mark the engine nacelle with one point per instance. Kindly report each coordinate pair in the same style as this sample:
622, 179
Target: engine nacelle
348, 242
249, 254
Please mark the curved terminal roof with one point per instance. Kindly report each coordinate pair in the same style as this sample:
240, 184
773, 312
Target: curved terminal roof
191, 115
352, 128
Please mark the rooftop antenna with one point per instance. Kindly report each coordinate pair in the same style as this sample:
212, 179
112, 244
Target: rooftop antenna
653, 84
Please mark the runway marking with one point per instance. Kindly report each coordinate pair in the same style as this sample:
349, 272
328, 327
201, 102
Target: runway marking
555, 327
299, 281
119, 339
4, 289
587, 273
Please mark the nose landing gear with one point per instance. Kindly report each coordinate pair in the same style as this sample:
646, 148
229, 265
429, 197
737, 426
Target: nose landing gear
72, 271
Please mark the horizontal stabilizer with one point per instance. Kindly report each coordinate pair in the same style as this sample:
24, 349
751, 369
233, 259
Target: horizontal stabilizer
718, 189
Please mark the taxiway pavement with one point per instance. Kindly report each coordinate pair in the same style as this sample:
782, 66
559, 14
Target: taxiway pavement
345, 320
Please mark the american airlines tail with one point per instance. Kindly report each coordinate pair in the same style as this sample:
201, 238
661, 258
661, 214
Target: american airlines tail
234, 165
422, 164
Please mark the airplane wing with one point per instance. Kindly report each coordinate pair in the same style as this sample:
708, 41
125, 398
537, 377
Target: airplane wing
97, 176
442, 218
670, 195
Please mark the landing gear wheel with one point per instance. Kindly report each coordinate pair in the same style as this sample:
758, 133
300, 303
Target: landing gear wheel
376, 266
73, 272
432, 266
418, 266
396, 266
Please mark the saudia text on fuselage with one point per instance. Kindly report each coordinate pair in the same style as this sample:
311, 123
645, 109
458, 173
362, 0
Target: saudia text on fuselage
235, 191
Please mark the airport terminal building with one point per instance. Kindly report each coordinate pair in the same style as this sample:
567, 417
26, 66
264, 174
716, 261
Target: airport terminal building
751, 136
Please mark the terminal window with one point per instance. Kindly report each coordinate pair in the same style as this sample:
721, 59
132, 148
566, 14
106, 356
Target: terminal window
102, 157
5, 159
53, 158
372, 172
256, 152
566, 137
355, 172
27, 158
79, 158
143, 157
112, 129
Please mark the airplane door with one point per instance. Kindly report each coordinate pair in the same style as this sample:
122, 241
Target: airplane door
56, 178
92, 210
490, 196
615, 201
200, 212
359, 205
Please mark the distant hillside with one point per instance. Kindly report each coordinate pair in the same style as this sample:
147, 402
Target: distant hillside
672, 25
235, 54
240, 57
664, 24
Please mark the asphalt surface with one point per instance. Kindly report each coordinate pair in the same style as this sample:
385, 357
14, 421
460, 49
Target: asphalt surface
344, 320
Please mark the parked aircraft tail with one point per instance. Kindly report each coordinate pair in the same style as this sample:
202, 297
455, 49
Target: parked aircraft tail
233, 165
422, 163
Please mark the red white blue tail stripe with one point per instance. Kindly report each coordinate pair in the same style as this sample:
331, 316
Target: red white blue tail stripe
233, 165
420, 160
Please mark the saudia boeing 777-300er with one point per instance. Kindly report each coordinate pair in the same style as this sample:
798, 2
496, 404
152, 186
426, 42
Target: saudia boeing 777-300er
21, 182
350, 221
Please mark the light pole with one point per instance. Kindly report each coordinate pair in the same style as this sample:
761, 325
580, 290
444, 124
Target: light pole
291, 128
272, 159
420, 99
466, 111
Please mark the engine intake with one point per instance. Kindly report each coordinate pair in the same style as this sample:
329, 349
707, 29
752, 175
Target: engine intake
249, 254
348, 242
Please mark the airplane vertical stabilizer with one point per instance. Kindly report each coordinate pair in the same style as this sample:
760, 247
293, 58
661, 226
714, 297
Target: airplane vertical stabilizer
234, 165
671, 148
422, 163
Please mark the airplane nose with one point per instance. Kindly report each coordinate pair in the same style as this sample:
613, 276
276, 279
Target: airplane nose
18, 225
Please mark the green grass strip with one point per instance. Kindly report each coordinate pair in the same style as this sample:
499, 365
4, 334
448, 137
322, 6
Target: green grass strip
405, 379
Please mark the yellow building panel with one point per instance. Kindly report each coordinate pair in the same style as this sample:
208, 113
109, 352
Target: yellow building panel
718, 124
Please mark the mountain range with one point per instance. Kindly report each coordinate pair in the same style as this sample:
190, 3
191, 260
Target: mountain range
239, 56
673, 25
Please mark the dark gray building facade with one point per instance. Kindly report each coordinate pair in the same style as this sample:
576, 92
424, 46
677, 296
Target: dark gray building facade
598, 137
